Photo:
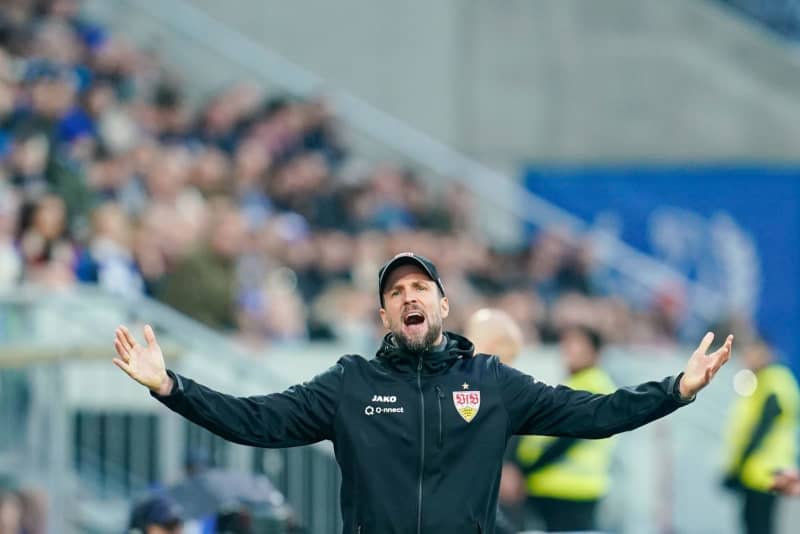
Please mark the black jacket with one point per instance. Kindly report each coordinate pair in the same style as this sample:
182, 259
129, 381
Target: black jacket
411, 461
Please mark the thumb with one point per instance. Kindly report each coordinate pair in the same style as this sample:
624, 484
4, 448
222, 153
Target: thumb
149, 336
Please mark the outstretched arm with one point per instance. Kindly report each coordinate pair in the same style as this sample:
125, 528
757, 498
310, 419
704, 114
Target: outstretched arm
536, 408
300, 415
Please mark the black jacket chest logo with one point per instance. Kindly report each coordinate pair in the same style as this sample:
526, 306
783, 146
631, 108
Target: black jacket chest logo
383, 405
467, 404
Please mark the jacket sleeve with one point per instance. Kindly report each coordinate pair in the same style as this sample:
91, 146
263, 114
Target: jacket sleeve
300, 415
537, 408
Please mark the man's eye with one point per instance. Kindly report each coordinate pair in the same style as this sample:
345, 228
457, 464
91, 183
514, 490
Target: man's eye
394, 293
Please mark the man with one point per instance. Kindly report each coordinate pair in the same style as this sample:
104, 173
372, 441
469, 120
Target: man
420, 430
494, 332
762, 437
566, 477
156, 515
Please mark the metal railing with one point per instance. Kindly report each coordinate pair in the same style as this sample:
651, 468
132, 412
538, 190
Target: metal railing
75, 425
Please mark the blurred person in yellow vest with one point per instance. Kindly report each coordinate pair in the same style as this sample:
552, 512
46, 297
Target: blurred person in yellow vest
762, 435
566, 477
495, 332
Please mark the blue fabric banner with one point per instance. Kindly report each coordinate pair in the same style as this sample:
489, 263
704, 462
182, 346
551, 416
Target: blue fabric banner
734, 229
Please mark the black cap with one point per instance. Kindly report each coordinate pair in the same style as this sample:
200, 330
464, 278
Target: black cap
408, 258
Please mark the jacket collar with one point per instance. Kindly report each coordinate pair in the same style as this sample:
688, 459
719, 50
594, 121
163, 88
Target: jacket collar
433, 361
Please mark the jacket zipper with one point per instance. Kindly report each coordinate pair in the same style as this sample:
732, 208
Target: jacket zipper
478, 524
440, 396
422, 445
358, 530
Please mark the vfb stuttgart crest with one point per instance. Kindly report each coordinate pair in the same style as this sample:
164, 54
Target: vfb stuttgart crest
467, 404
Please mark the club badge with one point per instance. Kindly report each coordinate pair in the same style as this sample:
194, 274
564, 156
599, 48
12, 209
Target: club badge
467, 404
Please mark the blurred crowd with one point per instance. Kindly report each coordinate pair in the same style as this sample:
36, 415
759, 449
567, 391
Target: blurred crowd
245, 211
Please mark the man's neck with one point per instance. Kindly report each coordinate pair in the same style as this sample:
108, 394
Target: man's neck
440, 345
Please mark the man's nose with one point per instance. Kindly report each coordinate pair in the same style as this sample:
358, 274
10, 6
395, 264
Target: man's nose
409, 297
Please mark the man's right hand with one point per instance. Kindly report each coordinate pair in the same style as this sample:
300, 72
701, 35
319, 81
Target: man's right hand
145, 364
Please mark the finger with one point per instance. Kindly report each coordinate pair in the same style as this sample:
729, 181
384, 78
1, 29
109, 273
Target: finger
702, 348
131, 342
723, 354
123, 339
726, 347
123, 354
120, 336
149, 336
124, 366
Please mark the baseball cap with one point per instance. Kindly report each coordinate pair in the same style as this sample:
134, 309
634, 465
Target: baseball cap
408, 258
157, 510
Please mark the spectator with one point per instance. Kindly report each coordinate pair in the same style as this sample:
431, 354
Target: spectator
10, 513
34, 510
762, 436
494, 332
10, 260
49, 256
156, 515
88, 119
211, 266
566, 477
108, 260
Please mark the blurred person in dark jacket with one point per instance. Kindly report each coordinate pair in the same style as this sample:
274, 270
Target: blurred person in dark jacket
157, 514
204, 285
48, 253
493, 331
762, 435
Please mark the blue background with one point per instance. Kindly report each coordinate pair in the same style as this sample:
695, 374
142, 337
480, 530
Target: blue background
764, 201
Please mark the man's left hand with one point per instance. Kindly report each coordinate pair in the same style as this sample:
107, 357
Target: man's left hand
702, 367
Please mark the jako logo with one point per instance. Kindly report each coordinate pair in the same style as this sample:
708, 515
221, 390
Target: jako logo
384, 398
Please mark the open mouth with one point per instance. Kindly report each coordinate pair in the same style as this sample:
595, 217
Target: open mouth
413, 318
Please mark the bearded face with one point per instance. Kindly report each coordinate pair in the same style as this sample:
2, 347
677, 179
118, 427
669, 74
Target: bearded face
413, 309
418, 332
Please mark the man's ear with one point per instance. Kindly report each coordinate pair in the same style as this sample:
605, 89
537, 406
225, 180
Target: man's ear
444, 307
384, 320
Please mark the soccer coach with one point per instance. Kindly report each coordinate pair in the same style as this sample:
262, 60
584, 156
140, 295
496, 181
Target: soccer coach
419, 431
